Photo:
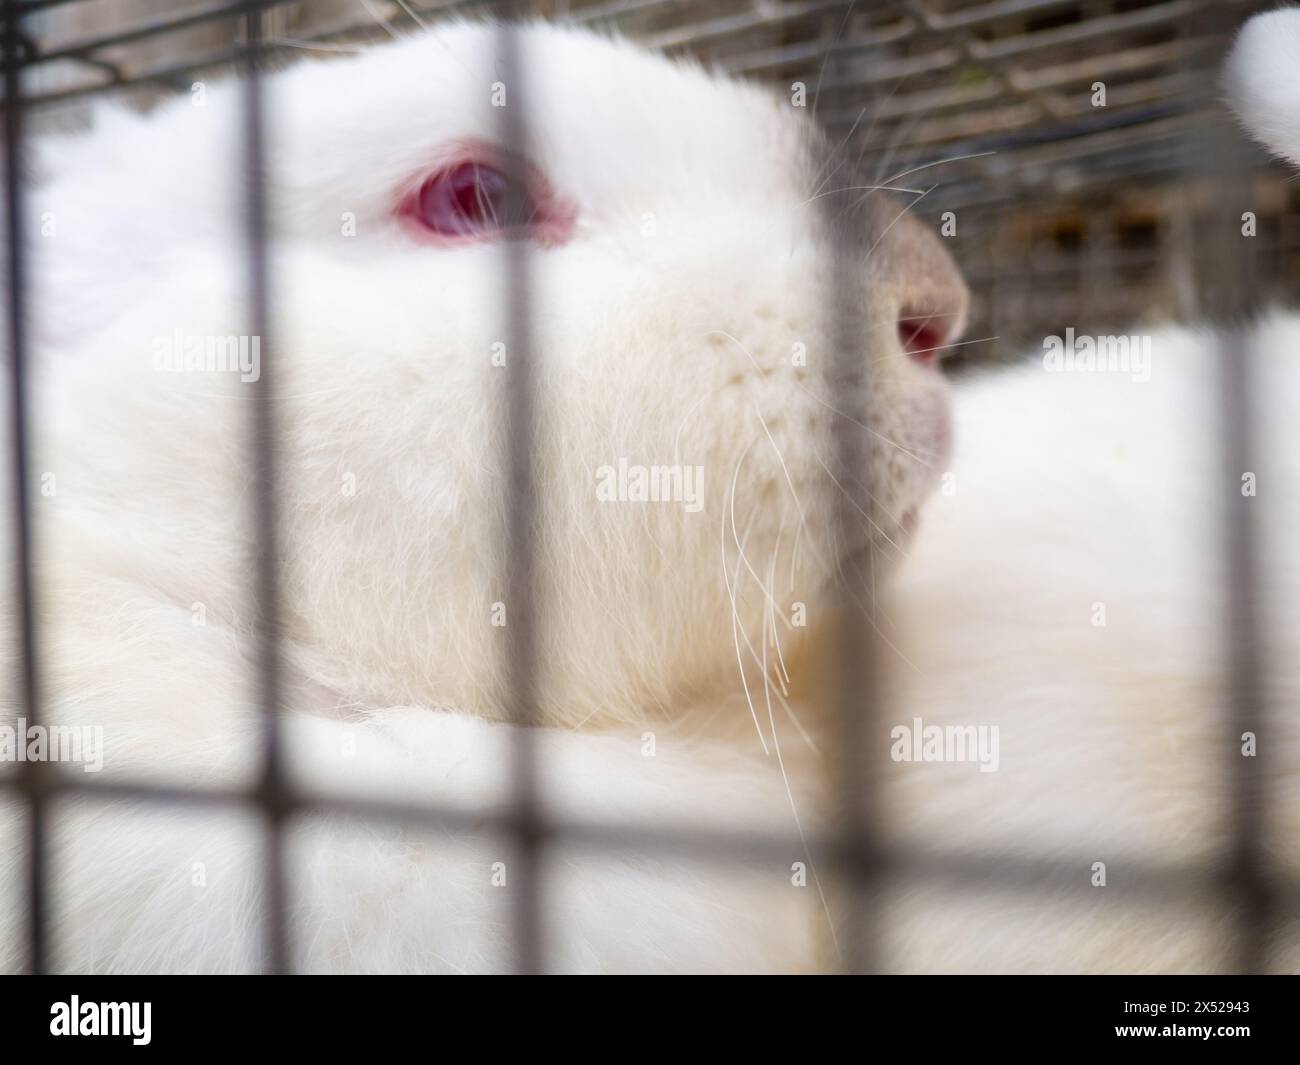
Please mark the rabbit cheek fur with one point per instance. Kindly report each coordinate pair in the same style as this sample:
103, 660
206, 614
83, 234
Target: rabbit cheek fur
666, 316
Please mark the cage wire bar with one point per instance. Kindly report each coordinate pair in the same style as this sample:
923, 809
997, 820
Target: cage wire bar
266, 595
1230, 300
520, 645
856, 705
1247, 887
33, 772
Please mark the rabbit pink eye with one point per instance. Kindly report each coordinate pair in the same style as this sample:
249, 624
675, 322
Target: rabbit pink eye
481, 194
470, 199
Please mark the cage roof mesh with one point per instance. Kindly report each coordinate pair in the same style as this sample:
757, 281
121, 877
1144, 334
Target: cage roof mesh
989, 107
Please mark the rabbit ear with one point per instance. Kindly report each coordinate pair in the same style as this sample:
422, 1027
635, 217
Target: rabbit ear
1262, 80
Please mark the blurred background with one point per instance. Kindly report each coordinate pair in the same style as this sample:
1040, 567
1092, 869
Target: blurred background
1081, 147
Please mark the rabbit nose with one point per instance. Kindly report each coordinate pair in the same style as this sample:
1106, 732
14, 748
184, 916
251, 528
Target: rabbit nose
921, 283
924, 336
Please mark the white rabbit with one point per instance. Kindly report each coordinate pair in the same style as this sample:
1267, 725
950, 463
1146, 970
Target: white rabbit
681, 266
681, 270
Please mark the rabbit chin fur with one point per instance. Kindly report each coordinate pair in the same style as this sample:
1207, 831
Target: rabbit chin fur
1071, 490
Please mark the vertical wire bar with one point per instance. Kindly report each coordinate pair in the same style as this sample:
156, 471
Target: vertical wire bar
1247, 885
521, 585
856, 706
267, 599
1229, 297
29, 692
1233, 305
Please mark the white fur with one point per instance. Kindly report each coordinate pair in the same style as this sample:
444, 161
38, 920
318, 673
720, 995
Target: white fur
666, 347
1074, 490
1262, 77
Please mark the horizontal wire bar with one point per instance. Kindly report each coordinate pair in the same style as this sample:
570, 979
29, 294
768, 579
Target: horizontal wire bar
31, 7
786, 58
1160, 60
155, 28
168, 73
999, 869
766, 18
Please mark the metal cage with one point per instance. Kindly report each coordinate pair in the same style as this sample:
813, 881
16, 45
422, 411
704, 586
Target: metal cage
1097, 211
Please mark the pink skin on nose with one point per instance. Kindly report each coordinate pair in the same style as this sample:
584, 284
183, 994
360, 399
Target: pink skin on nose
923, 338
